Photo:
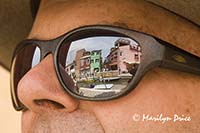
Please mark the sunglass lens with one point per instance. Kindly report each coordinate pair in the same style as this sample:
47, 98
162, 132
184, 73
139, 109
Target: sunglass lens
99, 66
25, 59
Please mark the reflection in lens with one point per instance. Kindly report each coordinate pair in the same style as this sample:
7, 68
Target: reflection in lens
102, 66
36, 57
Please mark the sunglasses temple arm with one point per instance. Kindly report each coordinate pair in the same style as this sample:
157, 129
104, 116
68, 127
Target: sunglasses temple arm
180, 60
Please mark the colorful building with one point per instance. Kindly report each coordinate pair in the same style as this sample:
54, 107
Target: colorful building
95, 61
78, 56
85, 65
122, 55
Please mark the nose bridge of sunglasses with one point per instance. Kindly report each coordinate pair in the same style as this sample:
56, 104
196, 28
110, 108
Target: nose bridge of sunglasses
47, 47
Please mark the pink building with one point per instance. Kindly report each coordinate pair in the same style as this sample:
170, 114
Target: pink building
121, 56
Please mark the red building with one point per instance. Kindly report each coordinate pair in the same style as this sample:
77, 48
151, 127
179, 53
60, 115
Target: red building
79, 54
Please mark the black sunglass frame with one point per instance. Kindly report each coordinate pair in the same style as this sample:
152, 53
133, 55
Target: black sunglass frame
155, 53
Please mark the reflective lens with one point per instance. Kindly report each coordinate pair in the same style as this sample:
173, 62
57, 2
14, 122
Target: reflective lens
99, 66
36, 57
21, 64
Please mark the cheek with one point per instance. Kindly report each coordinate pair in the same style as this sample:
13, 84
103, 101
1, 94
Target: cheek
115, 115
155, 94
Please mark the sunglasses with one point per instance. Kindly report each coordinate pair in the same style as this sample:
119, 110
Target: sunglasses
99, 63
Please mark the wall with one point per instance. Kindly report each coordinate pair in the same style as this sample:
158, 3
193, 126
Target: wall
9, 118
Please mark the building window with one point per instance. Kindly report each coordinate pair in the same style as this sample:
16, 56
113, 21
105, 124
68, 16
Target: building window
92, 61
97, 60
136, 56
96, 69
120, 53
88, 61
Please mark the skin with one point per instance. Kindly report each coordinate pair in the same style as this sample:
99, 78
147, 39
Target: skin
51, 109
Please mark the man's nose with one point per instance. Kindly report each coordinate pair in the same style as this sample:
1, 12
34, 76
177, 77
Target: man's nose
40, 89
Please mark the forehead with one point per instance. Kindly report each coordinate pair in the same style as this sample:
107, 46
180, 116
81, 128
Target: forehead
57, 17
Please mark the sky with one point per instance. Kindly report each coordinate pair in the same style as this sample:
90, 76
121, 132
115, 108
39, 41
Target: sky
93, 43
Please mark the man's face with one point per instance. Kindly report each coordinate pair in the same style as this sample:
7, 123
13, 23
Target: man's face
161, 91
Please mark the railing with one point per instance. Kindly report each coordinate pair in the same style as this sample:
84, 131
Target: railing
114, 73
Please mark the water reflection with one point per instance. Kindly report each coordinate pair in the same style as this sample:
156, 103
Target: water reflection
102, 66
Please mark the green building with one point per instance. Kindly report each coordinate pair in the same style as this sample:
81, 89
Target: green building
95, 61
